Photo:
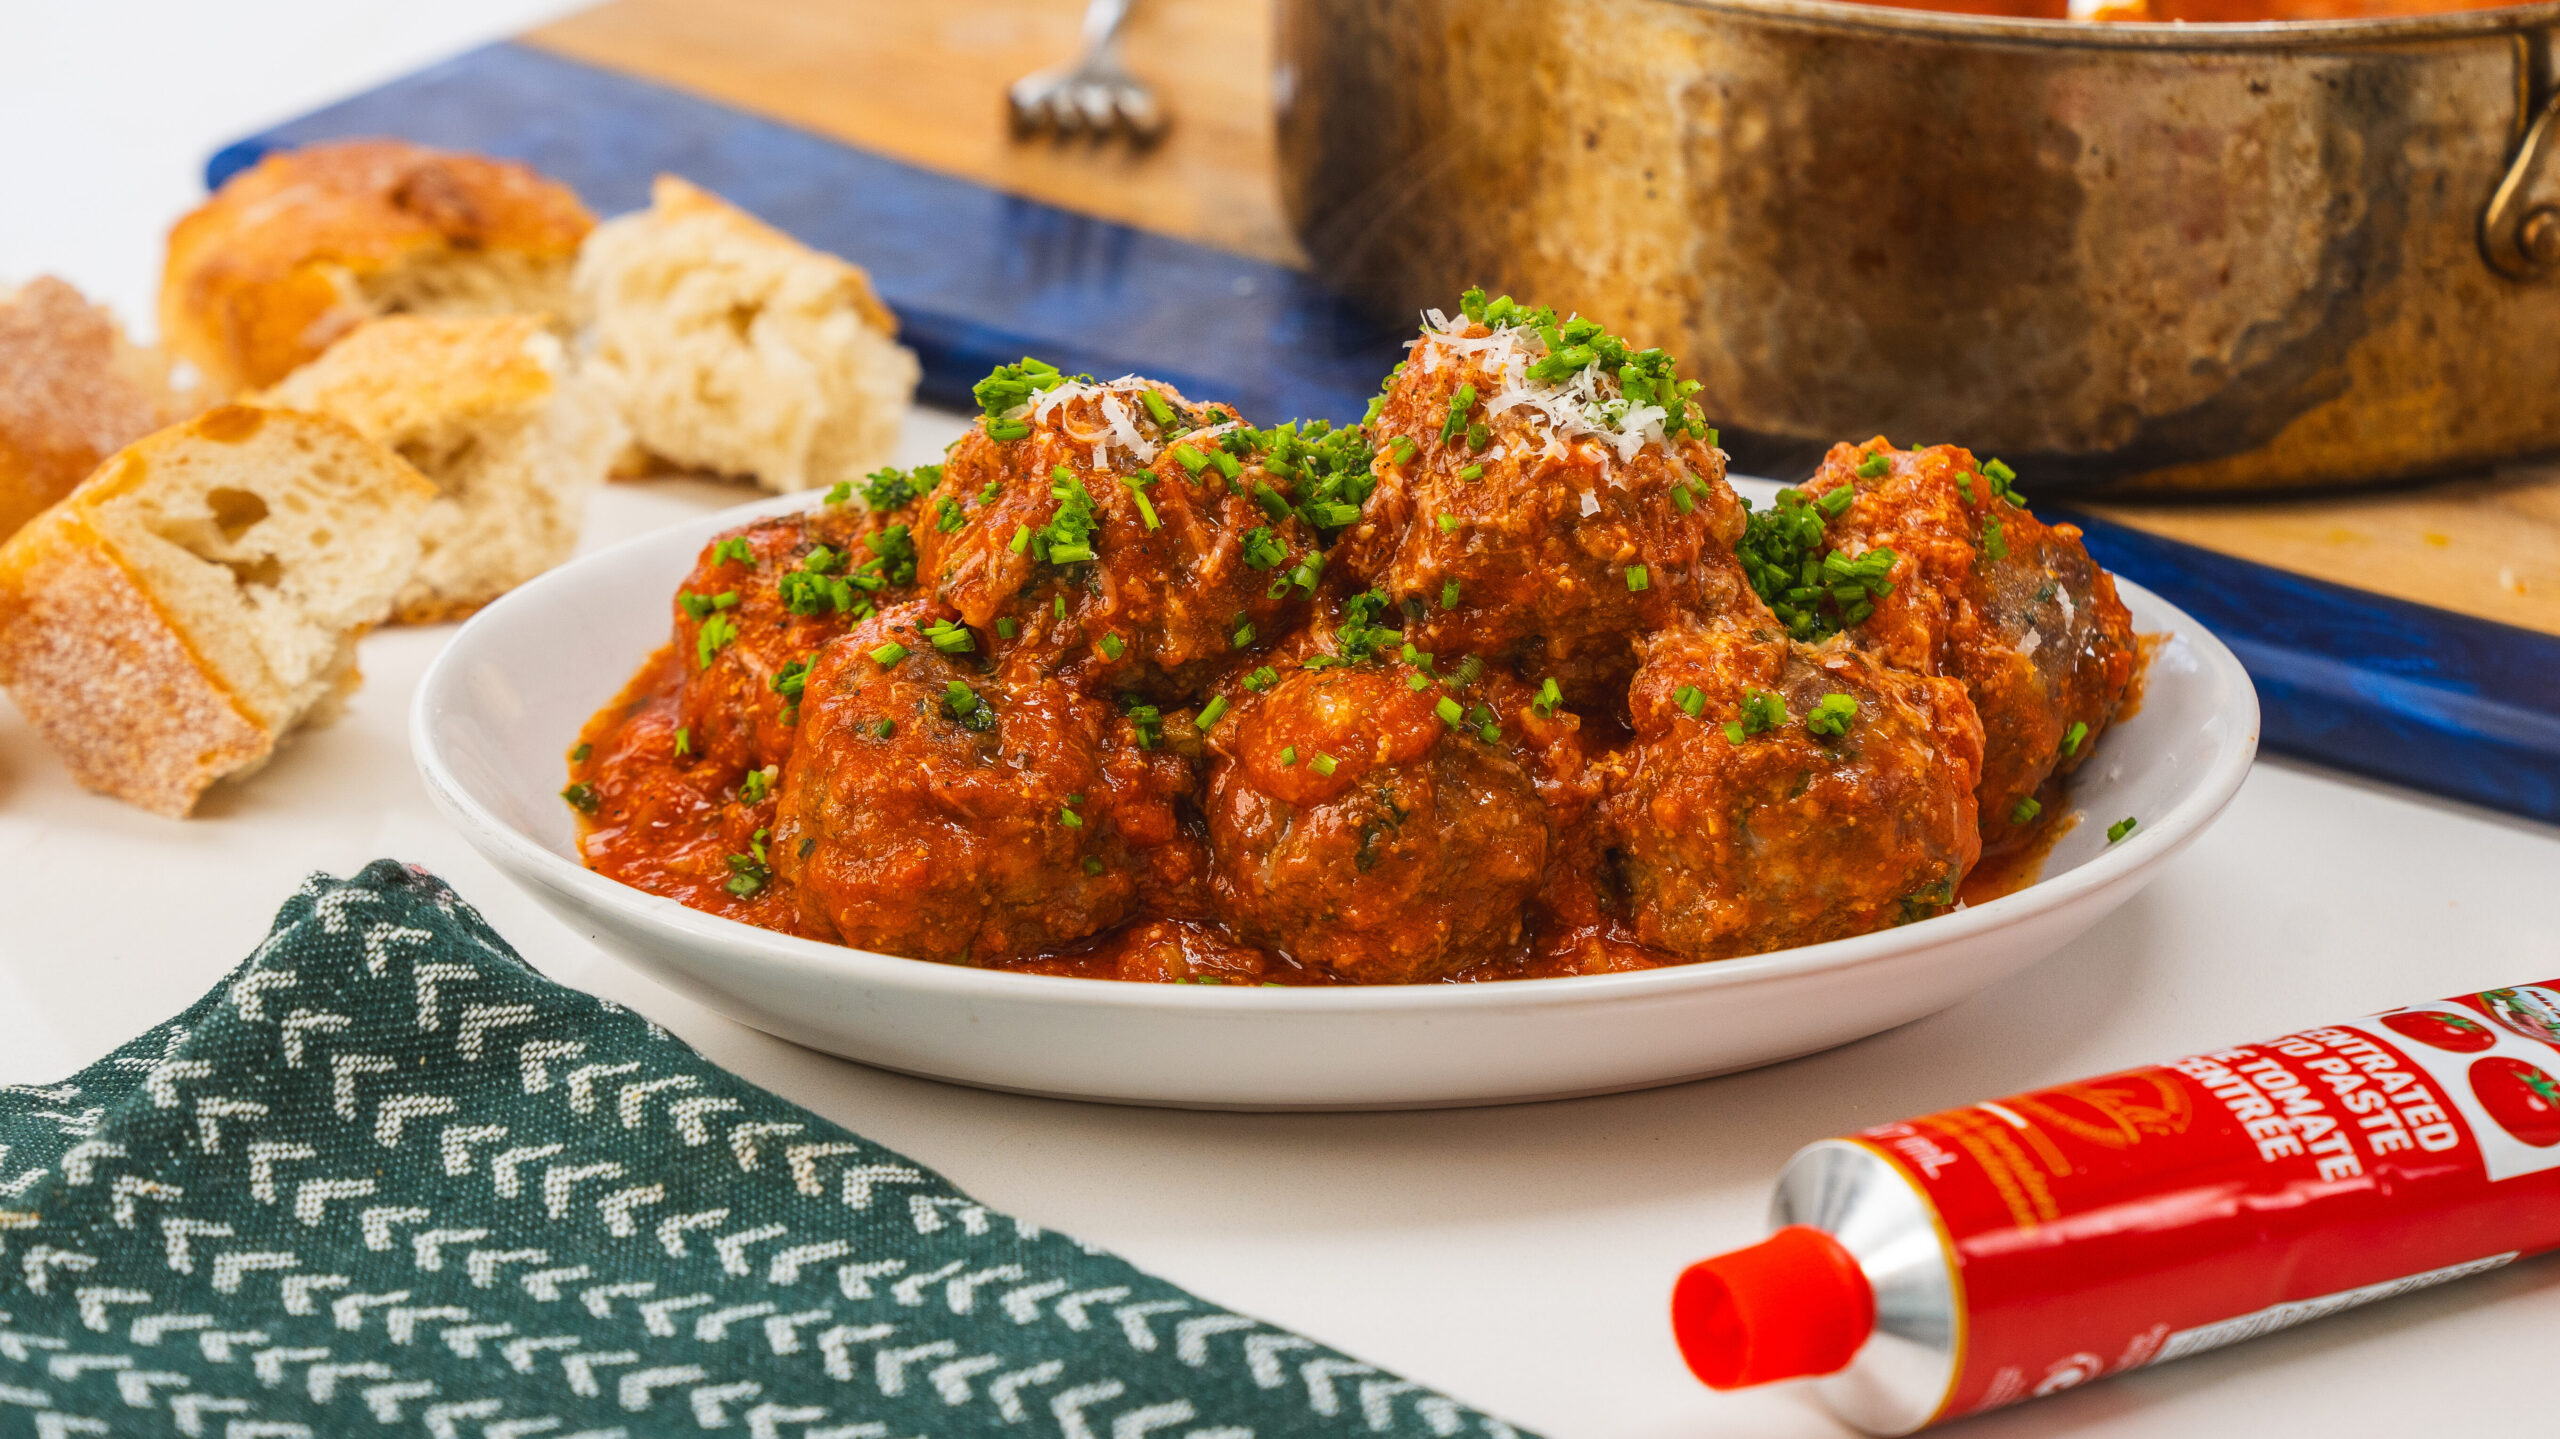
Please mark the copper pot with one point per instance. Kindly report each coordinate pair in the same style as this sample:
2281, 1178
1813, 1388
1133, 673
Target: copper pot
2161, 257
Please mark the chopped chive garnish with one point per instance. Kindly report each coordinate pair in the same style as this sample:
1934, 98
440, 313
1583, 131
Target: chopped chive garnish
1459, 404
1832, 716
1021, 539
1157, 409
1448, 594
684, 742
1681, 500
1008, 627
1008, 430
1262, 679
1762, 711
950, 638
1058, 607
1210, 713
1479, 436
1093, 865
885, 728
1244, 634
1322, 764
1288, 757
757, 784
732, 551
2025, 810
1263, 550
946, 514
1402, 450
1995, 541
1639, 578
2074, 738
1691, 699
1448, 524
1228, 465
1472, 472
1113, 646
839, 493
581, 797
1550, 699
2121, 828
1068, 817
1875, 466
1417, 683
1448, 710
579, 755
888, 655
1190, 459
1146, 507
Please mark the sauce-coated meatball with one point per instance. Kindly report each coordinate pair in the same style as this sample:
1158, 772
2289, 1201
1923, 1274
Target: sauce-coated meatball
1744, 823
763, 598
1355, 829
1526, 527
939, 811
1117, 531
1986, 593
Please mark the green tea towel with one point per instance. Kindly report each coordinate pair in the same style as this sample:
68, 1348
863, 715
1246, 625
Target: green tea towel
389, 1180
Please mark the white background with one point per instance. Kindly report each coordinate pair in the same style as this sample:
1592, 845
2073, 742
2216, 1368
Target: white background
1519, 1257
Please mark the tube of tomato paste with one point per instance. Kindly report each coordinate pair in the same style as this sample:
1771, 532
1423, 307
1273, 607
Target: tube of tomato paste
2014, 1248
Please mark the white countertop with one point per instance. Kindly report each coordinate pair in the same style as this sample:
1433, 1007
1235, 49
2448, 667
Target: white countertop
1519, 1257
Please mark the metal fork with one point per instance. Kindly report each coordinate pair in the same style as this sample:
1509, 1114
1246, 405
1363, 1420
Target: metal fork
1094, 95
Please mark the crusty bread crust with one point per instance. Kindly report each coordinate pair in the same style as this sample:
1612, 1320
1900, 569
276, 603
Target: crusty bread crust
298, 249
733, 348
489, 409
73, 390
105, 676
200, 596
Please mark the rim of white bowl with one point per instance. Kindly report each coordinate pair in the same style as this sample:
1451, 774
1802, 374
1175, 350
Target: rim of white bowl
706, 934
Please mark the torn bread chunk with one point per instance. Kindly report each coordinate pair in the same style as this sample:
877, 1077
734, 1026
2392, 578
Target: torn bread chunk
489, 410
73, 390
731, 347
201, 596
307, 244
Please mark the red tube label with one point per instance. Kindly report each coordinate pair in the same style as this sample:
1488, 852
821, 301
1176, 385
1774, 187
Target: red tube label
2141, 1216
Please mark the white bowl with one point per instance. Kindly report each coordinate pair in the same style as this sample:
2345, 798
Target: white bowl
498, 710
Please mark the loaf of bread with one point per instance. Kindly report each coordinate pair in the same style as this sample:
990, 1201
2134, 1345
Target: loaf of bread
305, 245
73, 390
488, 409
731, 347
201, 596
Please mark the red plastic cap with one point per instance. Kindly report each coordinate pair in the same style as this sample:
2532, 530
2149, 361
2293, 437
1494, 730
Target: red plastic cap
1792, 1306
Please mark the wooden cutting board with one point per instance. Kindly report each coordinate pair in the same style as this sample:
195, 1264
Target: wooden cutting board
2412, 634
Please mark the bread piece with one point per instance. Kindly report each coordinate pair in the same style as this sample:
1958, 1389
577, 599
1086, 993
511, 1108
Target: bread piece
174, 617
73, 390
488, 409
731, 347
305, 245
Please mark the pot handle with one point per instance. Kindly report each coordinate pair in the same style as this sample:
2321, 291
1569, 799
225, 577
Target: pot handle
2520, 231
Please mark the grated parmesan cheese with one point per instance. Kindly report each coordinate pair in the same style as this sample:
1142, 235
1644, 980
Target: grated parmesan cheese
1119, 423
1588, 406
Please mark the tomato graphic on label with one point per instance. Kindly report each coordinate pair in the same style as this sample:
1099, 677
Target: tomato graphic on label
2459, 1033
2523, 1099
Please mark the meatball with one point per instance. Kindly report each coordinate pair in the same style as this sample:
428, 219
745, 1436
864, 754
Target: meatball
939, 811
760, 601
1355, 829
1986, 593
1781, 794
1127, 537
1518, 520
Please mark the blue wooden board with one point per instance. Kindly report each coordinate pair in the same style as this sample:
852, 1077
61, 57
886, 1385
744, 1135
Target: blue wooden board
2424, 697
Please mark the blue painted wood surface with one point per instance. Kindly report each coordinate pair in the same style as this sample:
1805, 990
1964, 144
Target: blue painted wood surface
2439, 701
